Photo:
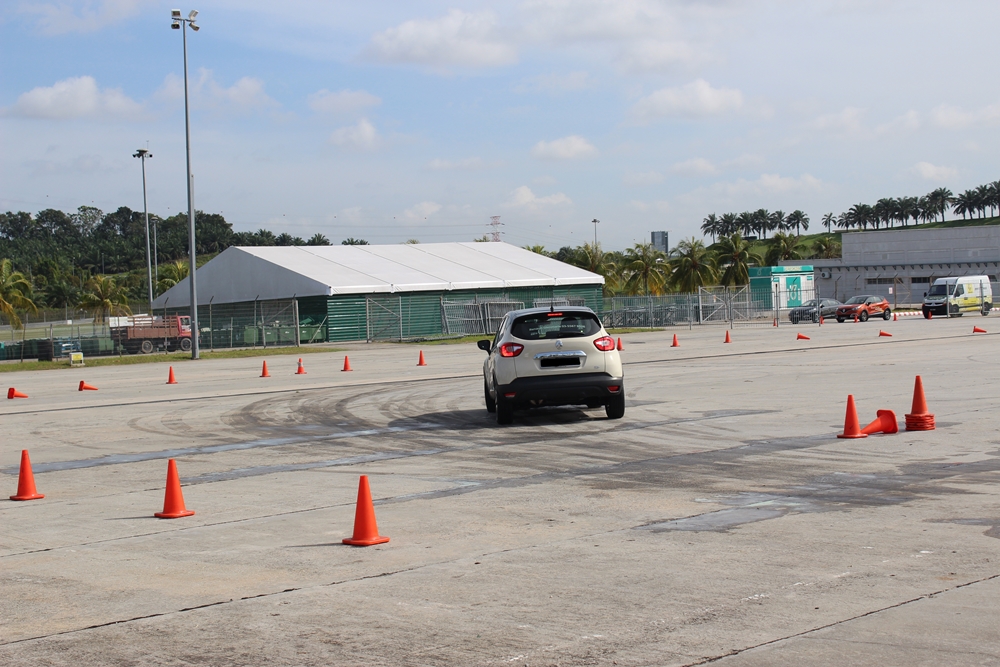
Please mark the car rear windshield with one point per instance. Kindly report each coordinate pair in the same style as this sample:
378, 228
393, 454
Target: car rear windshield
542, 326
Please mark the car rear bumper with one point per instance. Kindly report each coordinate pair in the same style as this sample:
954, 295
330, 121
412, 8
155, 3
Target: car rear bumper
579, 389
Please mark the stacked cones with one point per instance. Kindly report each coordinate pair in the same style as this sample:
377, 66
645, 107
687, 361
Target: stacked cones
421, 361
676, 342
884, 334
170, 377
347, 364
173, 499
802, 337
26, 481
301, 370
14, 393
86, 387
263, 371
919, 419
728, 339
365, 527
852, 429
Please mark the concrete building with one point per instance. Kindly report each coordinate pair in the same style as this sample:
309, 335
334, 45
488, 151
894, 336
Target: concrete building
901, 264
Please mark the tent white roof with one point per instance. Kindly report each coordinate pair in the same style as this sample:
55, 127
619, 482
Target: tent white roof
281, 272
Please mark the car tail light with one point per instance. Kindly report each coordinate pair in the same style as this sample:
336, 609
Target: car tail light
510, 349
510, 394
605, 343
613, 388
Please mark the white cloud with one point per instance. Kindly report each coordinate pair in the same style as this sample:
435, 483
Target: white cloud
698, 166
458, 39
846, 120
572, 147
439, 164
694, 100
422, 210
343, 101
931, 172
556, 83
361, 135
246, 94
955, 118
642, 178
908, 122
658, 206
63, 17
654, 55
75, 97
523, 197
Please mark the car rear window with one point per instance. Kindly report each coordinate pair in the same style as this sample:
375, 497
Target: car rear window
542, 326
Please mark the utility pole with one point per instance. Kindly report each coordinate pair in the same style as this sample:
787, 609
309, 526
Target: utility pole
495, 224
142, 154
596, 222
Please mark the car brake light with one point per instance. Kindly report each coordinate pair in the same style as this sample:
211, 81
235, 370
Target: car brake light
510, 394
510, 349
605, 343
554, 314
613, 388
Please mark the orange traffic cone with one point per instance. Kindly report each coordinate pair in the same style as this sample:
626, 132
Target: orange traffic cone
821, 320
173, 500
728, 339
14, 393
802, 337
851, 427
676, 343
919, 419
775, 322
894, 318
170, 378
884, 334
26, 481
263, 371
86, 387
421, 361
930, 316
619, 346
365, 528
301, 370
885, 422
976, 329
347, 364
855, 318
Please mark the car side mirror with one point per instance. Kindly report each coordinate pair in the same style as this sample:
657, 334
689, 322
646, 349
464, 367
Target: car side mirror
925, 293
484, 345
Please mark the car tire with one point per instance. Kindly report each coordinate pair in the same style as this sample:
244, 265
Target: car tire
987, 307
886, 314
863, 316
491, 405
146, 347
815, 319
840, 320
794, 320
505, 412
615, 409
186, 344
927, 314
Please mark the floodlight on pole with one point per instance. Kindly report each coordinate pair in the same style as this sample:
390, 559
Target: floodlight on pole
142, 154
178, 23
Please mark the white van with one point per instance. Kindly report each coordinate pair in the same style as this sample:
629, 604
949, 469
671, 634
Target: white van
968, 294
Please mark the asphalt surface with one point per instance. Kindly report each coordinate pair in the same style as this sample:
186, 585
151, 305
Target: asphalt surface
721, 521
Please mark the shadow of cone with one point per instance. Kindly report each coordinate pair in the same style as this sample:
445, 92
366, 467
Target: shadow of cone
173, 499
347, 364
170, 377
728, 339
978, 330
885, 422
676, 342
802, 337
26, 481
919, 419
852, 429
421, 361
365, 528
884, 334
263, 371
301, 370
86, 387
14, 393
619, 345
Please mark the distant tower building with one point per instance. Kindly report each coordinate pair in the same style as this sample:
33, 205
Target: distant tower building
660, 241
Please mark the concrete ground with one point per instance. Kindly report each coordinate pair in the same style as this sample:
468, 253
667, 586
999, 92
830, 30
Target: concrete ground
720, 522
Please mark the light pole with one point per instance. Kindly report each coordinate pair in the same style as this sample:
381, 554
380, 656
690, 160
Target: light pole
596, 222
179, 23
142, 154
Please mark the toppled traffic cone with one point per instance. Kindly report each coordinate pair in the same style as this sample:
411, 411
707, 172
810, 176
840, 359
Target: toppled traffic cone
884, 334
86, 387
301, 370
347, 364
365, 528
173, 499
676, 342
976, 329
26, 481
619, 346
919, 419
852, 429
14, 393
170, 377
728, 339
263, 371
421, 362
885, 422
802, 337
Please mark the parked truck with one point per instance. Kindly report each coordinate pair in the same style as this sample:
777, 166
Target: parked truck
146, 333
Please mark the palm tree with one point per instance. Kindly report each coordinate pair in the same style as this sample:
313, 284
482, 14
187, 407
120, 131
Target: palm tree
539, 249
710, 226
762, 221
171, 273
734, 258
909, 207
799, 220
777, 221
104, 296
728, 224
940, 200
318, 239
15, 293
965, 203
591, 257
828, 221
782, 247
745, 223
827, 248
646, 268
693, 266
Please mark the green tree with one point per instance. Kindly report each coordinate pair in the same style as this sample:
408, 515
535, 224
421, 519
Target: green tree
783, 247
350, 240
710, 226
172, 273
318, 239
104, 296
647, 269
15, 293
733, 257
827, 248
692, 266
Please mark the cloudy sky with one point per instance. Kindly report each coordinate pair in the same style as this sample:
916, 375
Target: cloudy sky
420, 119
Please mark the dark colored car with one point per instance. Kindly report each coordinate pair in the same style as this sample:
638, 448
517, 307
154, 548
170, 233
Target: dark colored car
863, 307
807, 311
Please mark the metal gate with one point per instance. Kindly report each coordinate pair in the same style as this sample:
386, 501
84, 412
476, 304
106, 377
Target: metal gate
476, 317
385, 318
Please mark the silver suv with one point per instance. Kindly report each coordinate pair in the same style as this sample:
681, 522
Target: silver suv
552, 356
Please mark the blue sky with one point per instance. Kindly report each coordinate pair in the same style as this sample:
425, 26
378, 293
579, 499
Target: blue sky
398, 120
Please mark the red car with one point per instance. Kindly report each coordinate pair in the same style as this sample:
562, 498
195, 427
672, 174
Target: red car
863, 307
